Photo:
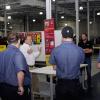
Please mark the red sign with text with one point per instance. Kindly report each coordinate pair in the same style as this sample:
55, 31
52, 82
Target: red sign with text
49, 35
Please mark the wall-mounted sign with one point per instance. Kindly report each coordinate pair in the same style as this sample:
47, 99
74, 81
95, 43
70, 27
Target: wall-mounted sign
49, 37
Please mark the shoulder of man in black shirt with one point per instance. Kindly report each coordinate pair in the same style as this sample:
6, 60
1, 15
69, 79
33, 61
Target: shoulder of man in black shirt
88, 44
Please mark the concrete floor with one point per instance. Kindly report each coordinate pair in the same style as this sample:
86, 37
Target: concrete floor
94, 94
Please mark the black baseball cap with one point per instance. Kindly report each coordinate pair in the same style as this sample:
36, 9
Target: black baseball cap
67, 32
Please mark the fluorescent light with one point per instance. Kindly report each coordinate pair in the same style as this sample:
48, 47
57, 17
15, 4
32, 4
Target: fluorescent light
66, 24
62, 17
80, 8
98, 13
8, 23
34, 20
9, 17
41, 13
8, 7
53, 0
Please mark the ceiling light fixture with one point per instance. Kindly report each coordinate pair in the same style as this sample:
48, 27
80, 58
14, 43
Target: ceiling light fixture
10, 27
53, 0
81, 8
62, 17
34, 20
79, 20
41, 13
66, 24
9, 17
90, 22
98, 13
8, 7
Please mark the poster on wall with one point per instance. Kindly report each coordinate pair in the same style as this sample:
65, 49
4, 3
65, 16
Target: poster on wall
49, 37
36, 36
22, 36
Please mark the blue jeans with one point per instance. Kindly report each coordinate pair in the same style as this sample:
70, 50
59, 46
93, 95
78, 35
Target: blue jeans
88, 69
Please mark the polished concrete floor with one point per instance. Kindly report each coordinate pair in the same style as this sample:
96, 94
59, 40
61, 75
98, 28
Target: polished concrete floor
94, 94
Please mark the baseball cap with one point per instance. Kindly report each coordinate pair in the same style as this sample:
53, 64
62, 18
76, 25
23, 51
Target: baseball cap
67, 32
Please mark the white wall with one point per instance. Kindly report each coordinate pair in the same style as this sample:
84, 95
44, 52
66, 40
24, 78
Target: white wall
57, 35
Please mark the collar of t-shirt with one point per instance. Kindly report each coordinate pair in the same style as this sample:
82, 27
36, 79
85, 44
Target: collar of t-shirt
12, 46
27, 44
67, 41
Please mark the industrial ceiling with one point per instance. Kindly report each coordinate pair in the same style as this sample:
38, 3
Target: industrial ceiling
33, 7
22, 8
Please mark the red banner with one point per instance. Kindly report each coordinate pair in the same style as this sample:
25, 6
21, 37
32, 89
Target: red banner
49, 35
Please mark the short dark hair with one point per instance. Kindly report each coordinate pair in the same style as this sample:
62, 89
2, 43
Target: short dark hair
12, 38
67, 32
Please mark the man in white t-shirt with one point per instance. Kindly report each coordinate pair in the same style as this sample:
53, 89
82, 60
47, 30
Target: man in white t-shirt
31, 54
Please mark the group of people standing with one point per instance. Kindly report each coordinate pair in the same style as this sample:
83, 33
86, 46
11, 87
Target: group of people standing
15, 79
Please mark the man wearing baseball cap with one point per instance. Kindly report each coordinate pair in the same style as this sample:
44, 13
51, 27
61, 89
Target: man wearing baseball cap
66, 58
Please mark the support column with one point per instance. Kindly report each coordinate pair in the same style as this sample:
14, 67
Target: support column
77, 22
5, 23
88, 20
27, 23
48, 9
94, 24
56, 15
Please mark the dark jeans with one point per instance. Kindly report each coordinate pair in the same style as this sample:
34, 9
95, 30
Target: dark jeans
9, 92
88, 69
68, 89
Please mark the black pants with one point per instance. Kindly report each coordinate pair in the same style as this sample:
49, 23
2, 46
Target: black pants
88, 69
68, 89
9, 92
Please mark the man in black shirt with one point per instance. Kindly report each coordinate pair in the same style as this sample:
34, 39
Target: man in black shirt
88, 49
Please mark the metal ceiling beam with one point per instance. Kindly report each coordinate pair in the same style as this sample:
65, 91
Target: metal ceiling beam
42, 4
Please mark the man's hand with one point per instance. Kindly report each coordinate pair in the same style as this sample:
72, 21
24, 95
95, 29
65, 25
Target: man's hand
39, 48
20, 76
29, 51
87, 50
20, 90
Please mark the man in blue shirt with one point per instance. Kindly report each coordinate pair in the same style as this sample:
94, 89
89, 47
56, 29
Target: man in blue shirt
66, 59
15, 78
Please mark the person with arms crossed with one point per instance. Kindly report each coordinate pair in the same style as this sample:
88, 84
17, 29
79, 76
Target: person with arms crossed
88, 49
15, 78
66, 59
